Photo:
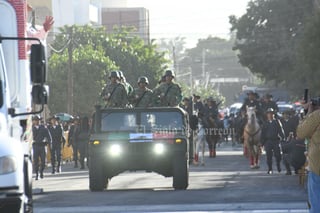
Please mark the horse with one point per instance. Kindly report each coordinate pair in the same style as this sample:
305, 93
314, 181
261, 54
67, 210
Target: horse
213, 134
251, 136
208, 131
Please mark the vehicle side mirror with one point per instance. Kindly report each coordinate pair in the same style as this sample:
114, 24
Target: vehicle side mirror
39, 94
38, 64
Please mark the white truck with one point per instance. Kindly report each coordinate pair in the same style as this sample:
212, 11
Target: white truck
21, 84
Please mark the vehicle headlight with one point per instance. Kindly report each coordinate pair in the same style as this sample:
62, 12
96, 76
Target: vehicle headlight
115, 150
159, 148
7, 165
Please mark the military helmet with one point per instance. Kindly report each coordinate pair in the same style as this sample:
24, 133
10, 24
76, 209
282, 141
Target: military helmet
143, 79
121, 75
114, 74
36, 118
169, 73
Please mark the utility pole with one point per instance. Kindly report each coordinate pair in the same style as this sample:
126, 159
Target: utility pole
204, 79
70, 73
174, 59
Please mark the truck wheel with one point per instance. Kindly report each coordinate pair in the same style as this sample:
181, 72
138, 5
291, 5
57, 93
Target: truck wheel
97, 180
180, 172
27, 170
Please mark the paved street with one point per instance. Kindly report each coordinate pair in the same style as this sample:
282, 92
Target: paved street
224, 184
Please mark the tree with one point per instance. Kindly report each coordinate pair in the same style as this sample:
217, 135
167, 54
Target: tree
309, 52
213, 58
94, 54
90, 68
134, 57
268, 36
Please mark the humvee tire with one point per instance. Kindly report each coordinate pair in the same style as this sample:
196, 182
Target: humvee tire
97, 180
180, 172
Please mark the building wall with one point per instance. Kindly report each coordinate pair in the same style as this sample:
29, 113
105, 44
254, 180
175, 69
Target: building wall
129, 17
109, 13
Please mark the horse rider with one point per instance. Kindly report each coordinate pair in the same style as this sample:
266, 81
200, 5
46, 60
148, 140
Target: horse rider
115, 93
213, 125
142, 95
252, 101
197, 103
211, 108
271, 135
268, 102
41, 138
168, 93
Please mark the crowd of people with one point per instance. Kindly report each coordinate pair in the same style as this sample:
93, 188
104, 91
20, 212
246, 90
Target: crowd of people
50, 136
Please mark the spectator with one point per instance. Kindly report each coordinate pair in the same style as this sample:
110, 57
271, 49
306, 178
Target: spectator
309, 129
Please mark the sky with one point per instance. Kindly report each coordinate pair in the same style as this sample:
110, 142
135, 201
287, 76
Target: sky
192, 19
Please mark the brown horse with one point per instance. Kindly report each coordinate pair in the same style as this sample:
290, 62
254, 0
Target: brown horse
213, 135
208, 131
251, 136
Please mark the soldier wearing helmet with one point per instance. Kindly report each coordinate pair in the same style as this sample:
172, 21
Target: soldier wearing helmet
168, 93
142, 95
115, 93
271, 135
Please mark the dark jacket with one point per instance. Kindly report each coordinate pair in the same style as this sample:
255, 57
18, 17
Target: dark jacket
271, 131
56, 134
41, 135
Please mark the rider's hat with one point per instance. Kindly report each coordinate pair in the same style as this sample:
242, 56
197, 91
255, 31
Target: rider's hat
270, 110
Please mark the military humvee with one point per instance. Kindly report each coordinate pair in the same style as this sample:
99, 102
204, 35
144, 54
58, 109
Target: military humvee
150, 139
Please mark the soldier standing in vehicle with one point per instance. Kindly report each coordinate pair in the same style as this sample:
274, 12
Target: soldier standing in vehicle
58, 139
41, 138
168, 93
115, 93
267, 103
142, 96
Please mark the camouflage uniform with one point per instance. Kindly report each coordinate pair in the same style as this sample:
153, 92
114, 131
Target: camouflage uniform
168, 93
141, 96
115, 94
